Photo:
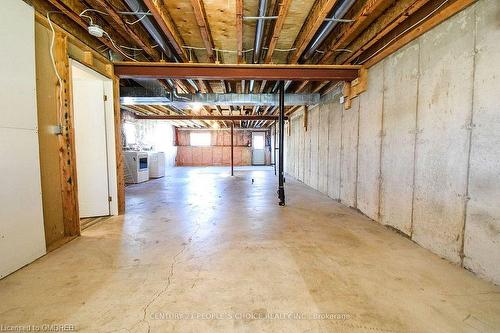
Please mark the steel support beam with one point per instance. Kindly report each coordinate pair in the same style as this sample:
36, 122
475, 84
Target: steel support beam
232, 148
165, 70
281, 176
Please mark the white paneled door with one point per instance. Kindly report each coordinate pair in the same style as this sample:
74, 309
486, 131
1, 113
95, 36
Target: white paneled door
90, 139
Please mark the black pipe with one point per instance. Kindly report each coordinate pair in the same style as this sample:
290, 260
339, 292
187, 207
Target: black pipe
275, 125
281, 184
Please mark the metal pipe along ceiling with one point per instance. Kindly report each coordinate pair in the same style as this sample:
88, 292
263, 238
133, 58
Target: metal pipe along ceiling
138, 6
259, 31
327, 27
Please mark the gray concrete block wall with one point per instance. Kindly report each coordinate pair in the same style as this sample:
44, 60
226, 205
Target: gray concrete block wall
436, 104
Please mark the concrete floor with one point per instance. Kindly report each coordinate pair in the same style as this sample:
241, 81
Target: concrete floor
200, 243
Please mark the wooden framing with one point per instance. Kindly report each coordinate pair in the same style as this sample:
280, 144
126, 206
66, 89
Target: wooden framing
67, 46
168, 27
314, 20
67, 161
427, 25
284, 5
368, 13
202, 21
120, 173
126, 30
239, 30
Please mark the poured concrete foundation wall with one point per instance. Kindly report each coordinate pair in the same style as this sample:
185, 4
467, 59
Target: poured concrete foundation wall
418, 151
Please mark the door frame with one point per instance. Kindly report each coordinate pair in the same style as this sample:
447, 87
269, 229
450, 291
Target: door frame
109, 120
263, 133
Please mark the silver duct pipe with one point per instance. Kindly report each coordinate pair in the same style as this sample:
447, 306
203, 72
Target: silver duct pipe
150, 26
141, 96
328, 27
138, 6
259, 32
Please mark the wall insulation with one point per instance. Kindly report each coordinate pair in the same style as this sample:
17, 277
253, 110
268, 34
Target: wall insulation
418, 151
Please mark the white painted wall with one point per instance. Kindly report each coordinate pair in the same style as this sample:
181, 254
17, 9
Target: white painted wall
22, 237
419, 151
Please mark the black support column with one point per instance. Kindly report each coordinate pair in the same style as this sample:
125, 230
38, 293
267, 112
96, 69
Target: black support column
281, 186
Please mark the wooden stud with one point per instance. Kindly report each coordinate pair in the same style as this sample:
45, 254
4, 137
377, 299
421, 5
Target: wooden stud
120, 173
67, 161
347, 95
306, 120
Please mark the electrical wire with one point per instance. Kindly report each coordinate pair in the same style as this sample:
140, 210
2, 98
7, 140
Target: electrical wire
403, 32
59, 79
117, 47
138, 20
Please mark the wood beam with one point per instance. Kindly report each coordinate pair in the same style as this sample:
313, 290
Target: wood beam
239, 30
120, 174
313, 21
236, 72
168, 26
67, 160
367, 14
392, 17
202, 21
442, 15
124, 29
284, 6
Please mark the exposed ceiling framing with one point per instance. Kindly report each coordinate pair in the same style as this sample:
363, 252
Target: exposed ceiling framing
222, 31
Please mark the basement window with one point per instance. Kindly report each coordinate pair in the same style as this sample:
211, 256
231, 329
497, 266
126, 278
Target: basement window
200, 139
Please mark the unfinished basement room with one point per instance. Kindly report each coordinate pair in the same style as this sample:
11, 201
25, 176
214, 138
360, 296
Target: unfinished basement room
250, 166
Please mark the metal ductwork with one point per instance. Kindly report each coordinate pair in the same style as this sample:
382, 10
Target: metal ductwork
142, 96
259, 31
150, 26
327, 27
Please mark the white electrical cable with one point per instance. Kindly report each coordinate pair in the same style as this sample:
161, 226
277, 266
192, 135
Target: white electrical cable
59, 79
117, 47
138, 20
403, 32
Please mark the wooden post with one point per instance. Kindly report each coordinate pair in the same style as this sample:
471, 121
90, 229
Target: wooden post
306, 112
120, 175
232, 148
66, 140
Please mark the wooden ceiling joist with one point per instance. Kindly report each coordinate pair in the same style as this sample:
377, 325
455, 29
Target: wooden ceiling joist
314, 20
202, 21
239, 30
211, 117
349, 32
390, 19
127, 31
167, 26
284, 6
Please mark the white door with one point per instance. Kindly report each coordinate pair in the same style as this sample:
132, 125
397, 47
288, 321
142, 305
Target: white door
90, 140
258, 148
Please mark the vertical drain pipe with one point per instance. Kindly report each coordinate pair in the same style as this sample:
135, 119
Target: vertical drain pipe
232, 148
281, 185
274, 146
